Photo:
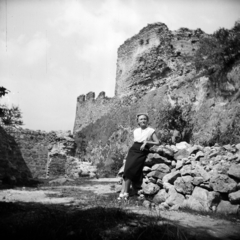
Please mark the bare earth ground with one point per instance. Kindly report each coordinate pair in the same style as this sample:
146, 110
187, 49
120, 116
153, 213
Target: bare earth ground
91, 193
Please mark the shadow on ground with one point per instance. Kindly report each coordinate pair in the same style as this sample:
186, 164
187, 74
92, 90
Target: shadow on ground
39, 221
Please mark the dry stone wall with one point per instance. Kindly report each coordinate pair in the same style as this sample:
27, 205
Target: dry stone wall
192, 176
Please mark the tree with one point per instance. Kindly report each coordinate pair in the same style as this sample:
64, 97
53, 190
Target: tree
9, 116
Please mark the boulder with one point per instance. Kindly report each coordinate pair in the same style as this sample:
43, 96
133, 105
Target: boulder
179, 164
182, 153
198, 200
194, 149
171, 177
186, 170
229, 148
163, 150
174, 198
198, 155
160, 197
161, 167
182, 145
237, 146
227, 208
234, 197
146, 169
146, 204
150, 188
200, 172
154, 158
156, 174
184, 185
213, 199
197, 181
152, 180
234, 171
222, 183
195, 204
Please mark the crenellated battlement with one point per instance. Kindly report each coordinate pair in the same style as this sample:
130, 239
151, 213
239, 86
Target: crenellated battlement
91, 108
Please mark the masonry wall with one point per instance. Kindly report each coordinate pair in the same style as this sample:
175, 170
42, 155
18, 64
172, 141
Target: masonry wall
90, 109
27, 154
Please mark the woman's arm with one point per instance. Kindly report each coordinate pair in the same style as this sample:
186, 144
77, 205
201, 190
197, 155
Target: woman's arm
154, 141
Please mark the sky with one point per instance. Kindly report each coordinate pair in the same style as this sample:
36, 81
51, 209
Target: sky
52, 51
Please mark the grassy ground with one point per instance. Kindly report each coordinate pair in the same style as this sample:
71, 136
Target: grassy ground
93, 217
37, 221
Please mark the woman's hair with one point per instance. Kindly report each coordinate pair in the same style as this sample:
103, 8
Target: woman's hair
140, 114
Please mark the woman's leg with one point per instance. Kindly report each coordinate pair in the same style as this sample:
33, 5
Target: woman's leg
127, 185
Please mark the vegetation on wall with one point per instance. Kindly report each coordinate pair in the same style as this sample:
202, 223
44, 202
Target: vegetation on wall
217, 53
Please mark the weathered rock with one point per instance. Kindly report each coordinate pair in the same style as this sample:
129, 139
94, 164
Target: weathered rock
161, 167
156, 174
179, 164
174, 198
213, 199
163, 150
197, 181
183, 145
146, 169
198, 200
194, 149
184, 185
152, 180
146, 204
171, 177
182, 153
154, 158
159, 183
237, 146
234, 171
200, 172
198, 155
160, 197
227, 208
194, 204
234, 197
173, 164
150, 188
229, 148
186, 170
222, 183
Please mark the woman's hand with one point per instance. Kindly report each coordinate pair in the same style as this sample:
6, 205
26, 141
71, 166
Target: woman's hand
143, 145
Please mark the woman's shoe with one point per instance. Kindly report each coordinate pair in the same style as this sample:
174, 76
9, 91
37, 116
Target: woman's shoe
120, 197
125, 196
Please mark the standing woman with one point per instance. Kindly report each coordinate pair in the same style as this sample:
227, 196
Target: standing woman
144, 137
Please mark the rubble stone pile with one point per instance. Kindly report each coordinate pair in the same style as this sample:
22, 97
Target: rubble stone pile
195, 177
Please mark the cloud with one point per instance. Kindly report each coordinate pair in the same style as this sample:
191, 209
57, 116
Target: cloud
25, 50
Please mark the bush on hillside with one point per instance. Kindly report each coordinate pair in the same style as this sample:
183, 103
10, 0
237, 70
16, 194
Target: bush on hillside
217, 53
175, 124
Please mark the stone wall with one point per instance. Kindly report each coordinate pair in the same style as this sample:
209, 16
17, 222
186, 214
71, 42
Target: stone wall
89, 109
149, 58
27, 154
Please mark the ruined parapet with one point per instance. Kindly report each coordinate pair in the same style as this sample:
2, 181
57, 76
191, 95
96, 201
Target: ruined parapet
151, 56
89, 109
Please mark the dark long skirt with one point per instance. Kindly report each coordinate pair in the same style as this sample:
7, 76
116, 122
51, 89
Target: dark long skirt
135, 163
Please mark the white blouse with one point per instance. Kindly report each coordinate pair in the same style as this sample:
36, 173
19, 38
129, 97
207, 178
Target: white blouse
140, 135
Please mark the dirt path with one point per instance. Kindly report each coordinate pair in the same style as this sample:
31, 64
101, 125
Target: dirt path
198, 224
